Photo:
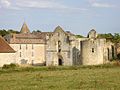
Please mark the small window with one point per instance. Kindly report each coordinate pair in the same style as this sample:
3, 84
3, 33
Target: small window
59, 50
20, 46
32, 46
93, 50
26, 47
20, 54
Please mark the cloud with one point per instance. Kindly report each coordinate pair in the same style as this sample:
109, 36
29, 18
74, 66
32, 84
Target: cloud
8, 5
95, 3
102, 5
5, 3
41, 4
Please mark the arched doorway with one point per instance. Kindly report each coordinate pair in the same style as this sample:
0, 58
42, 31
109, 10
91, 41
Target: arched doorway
60, 60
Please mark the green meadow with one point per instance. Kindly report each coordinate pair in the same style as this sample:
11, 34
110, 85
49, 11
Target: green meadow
102, 77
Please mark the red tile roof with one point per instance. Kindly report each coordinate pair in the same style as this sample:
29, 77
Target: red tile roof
4, 47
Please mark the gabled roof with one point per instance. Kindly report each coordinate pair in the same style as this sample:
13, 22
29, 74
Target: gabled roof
25, 28
4, 47
59, 29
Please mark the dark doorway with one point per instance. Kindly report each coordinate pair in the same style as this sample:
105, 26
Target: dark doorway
60, 62
108, 51
112, 52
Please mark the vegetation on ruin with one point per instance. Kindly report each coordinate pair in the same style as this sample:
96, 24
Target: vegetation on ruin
115, 38
101, 77
79, 36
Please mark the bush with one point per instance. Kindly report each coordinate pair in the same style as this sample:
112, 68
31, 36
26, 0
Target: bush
9, 66
118, 56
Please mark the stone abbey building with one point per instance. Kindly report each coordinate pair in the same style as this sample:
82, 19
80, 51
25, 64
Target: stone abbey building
54, 48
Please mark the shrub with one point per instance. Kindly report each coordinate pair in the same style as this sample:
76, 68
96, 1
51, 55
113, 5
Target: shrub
52, 68
9, 66
118, 56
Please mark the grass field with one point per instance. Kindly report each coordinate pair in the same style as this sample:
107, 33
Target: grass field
61, 78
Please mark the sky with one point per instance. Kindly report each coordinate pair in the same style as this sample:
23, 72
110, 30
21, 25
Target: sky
77, 16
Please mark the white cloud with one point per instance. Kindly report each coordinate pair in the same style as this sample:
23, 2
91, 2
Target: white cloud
38, 4
98, 4
41, 4
102, 5
5, 3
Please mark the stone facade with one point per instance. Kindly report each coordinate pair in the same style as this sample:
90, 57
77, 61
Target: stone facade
29, 53
59, 48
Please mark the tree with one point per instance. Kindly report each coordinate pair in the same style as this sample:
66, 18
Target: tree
5, 32
79, 36
35, 31
116, 38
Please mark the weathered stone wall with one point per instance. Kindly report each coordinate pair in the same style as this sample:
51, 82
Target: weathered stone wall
111, 50
58, 47
29, 53
7, 58
92, 51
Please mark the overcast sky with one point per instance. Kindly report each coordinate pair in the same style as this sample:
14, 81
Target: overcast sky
77, 16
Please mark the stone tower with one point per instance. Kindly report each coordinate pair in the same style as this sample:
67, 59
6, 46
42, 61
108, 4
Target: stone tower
25, 28
93, 50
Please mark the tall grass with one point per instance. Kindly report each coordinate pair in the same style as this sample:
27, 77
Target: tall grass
101, 77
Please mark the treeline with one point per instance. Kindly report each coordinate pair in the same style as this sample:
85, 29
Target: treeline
5, 32
115, 38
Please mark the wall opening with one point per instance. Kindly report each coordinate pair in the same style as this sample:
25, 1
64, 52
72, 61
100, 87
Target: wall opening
92, 50
108, 52
60, 62
59, 50
112, 52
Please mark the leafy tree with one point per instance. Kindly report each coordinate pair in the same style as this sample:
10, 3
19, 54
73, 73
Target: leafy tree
35, 31
5, 32
107, 36
13, 31
79, 36
116, 38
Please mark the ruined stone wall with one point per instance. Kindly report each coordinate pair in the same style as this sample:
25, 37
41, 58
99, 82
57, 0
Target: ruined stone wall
76, 50
58, 47
92, 51
111, 50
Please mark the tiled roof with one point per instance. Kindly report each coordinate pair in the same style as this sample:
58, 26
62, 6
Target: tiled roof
27, 38
4, 46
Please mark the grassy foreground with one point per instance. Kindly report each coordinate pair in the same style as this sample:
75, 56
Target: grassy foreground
61, 78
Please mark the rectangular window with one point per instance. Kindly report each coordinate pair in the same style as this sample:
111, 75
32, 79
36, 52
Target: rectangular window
32, 46
26, 47
20, 46
20, 54
93, 50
